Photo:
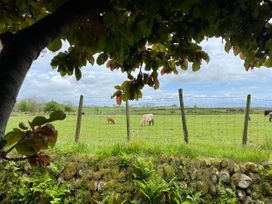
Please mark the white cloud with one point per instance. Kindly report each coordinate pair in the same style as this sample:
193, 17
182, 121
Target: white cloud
222, 68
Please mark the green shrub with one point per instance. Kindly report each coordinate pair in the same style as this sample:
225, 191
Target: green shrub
52, 106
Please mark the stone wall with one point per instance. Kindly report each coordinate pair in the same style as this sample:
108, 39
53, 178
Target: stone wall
217, 181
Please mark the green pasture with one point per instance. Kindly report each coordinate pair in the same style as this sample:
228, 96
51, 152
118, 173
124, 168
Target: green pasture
209, 134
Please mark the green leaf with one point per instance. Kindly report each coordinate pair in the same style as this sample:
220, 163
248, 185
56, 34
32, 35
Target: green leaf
138, 94
57, 115
156, 83
268, 44
101, 59
54, 45
236, 50
196, 66
206, 57
145, 26
25, 149
90, 59
110, 18
38, 121
14, 136
268, 62
78, 73
125, 85
118, 99
228, 46
23, 126
184, 65
127, 35
118, 87
30, 146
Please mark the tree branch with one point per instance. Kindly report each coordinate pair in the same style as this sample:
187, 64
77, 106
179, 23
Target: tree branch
20, 49
72, 13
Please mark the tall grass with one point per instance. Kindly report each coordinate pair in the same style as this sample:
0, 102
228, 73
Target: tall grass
194, 151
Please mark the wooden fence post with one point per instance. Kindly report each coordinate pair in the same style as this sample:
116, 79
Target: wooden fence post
128, 120
79, 114
246, 120
183, 118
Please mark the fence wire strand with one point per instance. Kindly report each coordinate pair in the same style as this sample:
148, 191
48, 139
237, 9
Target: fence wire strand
210, 120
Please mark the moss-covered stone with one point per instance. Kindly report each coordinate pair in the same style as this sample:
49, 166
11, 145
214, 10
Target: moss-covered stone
193, 173
213, 189
241, 181
256, 191
195, 164
224, 176
183, 184
109, 184
251, 167
202, 187
229, 165
267, 189
255, 177
241, 195
69, 170
86, 196
203, 174
96, 196
181, 174
91, 185
122, 188
268, 200
165, 170
114, 172
249, 200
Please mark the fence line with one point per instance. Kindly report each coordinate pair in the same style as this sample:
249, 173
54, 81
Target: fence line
210, 120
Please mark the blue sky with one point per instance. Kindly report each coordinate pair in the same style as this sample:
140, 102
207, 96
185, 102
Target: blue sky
224, 77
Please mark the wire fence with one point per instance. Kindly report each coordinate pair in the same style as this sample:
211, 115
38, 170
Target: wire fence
210, 120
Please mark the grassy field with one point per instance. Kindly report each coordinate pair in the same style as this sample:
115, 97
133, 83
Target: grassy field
214, 132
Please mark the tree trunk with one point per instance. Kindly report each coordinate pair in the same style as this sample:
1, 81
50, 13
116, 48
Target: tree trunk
21, 49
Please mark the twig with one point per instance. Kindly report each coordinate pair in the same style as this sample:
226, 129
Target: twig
3, 155
19, 142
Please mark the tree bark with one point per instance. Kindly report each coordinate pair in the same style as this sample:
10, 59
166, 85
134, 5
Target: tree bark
22, 48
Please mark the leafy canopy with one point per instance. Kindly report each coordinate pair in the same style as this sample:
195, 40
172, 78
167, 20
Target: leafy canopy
151, 37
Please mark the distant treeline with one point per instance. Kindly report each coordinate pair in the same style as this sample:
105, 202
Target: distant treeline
32, 106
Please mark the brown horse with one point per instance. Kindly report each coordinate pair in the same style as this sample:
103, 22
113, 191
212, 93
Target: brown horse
111, 120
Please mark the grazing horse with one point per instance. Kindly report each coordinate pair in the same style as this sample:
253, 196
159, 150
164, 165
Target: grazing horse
147, 119
269, 114
111, 120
